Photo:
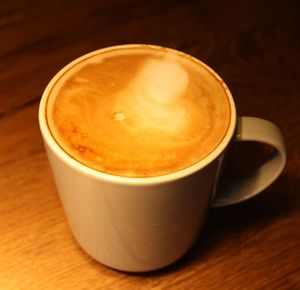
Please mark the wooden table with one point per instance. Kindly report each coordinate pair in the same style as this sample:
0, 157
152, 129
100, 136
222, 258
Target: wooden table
254, 45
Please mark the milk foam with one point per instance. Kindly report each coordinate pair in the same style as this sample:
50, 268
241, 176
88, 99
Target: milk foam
163, 80
154, 97
138, 112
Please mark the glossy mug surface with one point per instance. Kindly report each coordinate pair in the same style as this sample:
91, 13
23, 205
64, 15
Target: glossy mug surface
135, 136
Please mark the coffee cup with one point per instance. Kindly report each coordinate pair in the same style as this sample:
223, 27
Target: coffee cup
136, 136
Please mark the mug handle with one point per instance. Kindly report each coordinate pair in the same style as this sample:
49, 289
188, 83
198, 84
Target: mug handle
260, 130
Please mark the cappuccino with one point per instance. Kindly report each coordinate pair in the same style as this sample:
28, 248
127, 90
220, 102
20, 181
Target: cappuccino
138, 111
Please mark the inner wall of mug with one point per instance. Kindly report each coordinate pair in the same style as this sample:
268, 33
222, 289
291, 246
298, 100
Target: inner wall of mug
59, 151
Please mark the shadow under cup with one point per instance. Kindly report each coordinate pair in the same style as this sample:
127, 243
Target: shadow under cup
134, 223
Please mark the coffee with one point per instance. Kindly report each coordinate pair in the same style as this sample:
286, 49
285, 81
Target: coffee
138, 111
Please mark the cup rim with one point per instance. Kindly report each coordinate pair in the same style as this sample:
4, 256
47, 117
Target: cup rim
116, 179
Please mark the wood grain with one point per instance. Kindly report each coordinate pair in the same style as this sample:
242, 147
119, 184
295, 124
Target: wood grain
254, 46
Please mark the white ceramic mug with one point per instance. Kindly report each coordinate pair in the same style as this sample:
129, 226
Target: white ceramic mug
143, 224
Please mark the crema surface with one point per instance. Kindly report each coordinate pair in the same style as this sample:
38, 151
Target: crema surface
138, 112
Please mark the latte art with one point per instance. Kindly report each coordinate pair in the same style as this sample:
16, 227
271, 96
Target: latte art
155, 97
138, 111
